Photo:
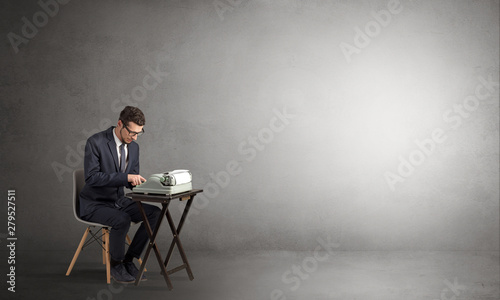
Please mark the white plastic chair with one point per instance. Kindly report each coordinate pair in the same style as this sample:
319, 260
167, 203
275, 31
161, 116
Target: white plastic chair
103, 239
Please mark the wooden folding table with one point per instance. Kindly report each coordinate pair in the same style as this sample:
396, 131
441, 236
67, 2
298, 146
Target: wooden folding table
165, 201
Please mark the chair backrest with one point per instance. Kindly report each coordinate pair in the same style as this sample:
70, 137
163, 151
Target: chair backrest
78, 183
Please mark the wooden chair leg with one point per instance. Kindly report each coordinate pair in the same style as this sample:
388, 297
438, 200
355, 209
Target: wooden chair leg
108, 270
103, 246
78, 250
140, 263
139, 260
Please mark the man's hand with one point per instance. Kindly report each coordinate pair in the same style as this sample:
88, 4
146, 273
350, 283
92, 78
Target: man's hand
135, 179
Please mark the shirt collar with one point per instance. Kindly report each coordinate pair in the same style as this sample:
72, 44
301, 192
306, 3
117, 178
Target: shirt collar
117, 140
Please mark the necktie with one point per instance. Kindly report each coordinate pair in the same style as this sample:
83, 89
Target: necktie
122, 158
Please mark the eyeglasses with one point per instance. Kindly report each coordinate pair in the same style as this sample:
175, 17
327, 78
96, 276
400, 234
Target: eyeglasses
133, 133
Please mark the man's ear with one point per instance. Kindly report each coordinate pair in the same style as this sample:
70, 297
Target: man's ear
120, 123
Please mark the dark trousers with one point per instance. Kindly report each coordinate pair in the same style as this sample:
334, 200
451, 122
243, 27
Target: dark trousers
119, 218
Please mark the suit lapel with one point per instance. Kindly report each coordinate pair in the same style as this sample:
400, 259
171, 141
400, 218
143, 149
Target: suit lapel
112, 148
131, 156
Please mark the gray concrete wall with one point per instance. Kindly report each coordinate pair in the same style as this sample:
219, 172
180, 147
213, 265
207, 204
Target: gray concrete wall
373, 124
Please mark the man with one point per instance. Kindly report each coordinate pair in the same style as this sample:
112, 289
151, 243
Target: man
112, 163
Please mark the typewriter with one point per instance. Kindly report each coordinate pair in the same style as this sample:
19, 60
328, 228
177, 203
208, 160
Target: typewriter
167, 183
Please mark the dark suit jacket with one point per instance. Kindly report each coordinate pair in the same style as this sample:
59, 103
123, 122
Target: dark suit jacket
104, 183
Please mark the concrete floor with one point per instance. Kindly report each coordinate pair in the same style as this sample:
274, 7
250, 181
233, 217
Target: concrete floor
275, 275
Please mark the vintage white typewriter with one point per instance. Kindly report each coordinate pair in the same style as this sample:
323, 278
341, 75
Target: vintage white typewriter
167, 183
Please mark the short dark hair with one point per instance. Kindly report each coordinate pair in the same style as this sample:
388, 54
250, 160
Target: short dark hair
132, 114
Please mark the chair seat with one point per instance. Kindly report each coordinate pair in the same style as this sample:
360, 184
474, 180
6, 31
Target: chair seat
98, 224
93, 224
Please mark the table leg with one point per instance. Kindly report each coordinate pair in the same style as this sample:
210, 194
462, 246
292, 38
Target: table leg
152, 244
176, 240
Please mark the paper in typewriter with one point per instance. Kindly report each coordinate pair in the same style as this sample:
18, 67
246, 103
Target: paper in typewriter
179, 177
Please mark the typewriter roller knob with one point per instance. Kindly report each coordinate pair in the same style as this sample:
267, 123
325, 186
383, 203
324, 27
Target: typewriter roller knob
165, 180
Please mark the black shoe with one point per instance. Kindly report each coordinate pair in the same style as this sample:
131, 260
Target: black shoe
120, 274
133, 271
